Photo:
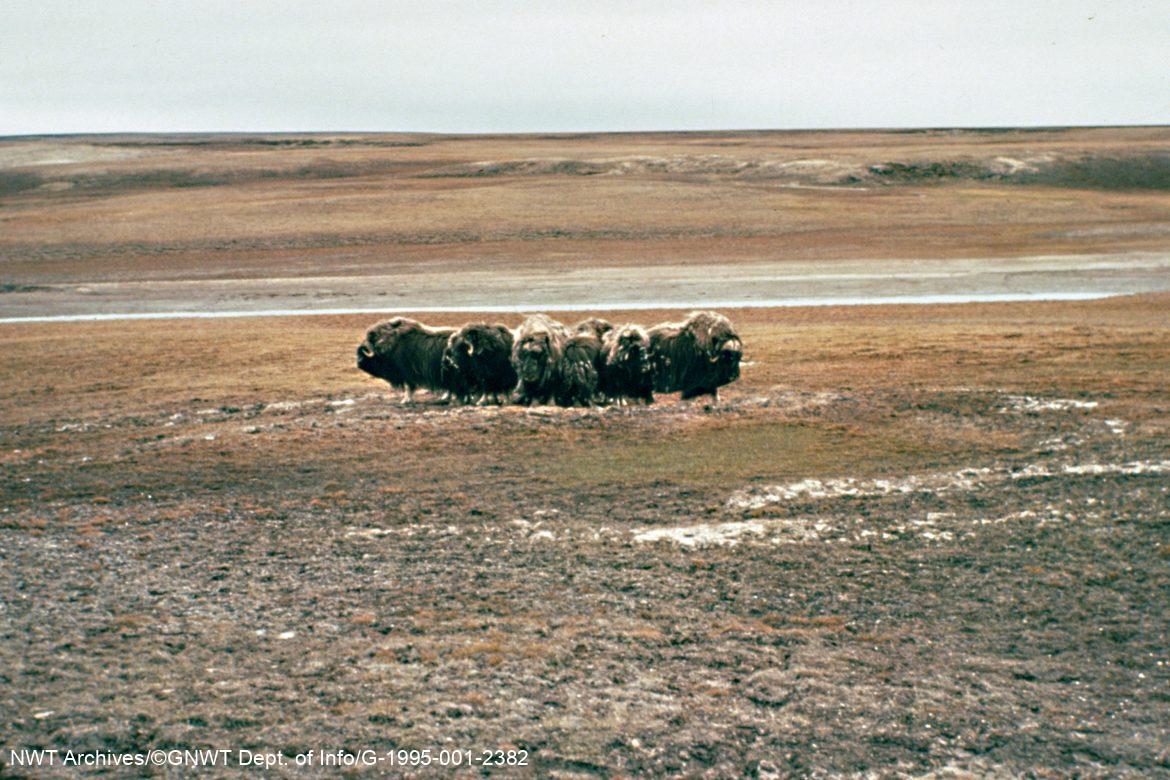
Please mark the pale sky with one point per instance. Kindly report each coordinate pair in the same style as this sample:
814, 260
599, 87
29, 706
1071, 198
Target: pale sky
488, 66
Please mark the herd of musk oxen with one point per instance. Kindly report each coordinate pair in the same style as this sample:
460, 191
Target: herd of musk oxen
544, 361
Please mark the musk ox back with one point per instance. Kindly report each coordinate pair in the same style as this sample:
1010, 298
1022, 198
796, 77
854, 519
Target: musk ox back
478, 359
536, 356
594, 326
577, 375
626, 371
696, 356
407, 354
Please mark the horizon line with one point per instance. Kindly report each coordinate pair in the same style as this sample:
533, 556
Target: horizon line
694, 131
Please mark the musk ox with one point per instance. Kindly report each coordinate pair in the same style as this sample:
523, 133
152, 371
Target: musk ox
536, 356
626, 371
696, 356
407, 354
594, 326
577, 381
478, 362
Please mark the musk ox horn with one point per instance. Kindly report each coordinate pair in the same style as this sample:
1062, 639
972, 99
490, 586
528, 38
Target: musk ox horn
364, 350
470, 349
735, 345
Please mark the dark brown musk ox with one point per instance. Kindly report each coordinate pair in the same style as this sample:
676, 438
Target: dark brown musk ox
626, 371
536, 356
407, 354
696, 356
595, 326
478, 362
578, 376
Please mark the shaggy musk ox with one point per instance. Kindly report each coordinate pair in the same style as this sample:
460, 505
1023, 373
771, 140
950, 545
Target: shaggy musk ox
478, 362
577, 375
626, 371
407, 354
536, 356
696, 356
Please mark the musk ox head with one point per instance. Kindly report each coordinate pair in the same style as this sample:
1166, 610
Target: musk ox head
538, 348
533, 356
461, 347
577, 381
628, 345
718, 342
626, 367
481, 355
374, 354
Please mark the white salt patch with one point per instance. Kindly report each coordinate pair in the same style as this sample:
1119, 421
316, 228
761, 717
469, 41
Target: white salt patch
283, 406
73, 427
1116, 427
704, 533
1134, 468
369, 533
1027, 403
966, 480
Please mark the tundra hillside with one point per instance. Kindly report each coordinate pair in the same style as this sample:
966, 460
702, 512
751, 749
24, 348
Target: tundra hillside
908, 539
213, 211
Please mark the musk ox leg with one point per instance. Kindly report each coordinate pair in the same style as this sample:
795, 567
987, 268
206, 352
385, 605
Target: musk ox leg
408, 395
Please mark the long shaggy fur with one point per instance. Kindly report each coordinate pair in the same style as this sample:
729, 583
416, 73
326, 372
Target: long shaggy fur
578, 383
478, 359
536, 356
626, 371
594, 326
696, 356
407, 354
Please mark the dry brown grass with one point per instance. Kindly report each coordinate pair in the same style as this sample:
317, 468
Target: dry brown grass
100, 430
76, 371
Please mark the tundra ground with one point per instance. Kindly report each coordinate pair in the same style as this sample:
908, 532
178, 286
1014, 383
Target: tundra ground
909, 540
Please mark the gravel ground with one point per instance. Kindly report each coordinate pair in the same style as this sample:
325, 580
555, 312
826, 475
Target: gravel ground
1005, 615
